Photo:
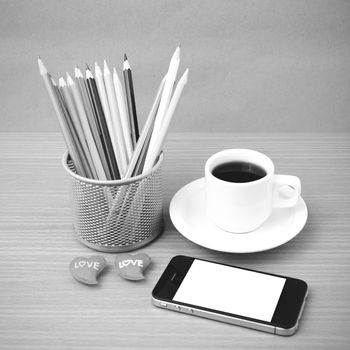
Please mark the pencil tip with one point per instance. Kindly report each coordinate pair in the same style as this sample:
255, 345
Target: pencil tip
89, 74
176, 54
126, 65
125, 57
61, 82
98, 70
105, 68
69, 79
77, 72
42, 68
185, 76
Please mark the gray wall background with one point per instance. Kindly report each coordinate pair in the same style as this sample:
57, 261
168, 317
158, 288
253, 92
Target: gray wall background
254, 65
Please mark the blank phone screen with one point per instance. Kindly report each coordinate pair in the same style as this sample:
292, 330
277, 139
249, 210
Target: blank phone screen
229, 289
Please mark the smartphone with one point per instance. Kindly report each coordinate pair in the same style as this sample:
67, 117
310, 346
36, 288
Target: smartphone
231, 294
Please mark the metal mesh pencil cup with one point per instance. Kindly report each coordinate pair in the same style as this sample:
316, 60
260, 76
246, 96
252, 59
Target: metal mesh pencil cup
116, 215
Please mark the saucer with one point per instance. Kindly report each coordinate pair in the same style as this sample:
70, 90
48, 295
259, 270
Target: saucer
189, 216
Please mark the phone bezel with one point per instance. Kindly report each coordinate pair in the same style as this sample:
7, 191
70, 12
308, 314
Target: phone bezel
287, 310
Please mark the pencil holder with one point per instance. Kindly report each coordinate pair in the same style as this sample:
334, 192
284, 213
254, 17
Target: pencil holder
118, 215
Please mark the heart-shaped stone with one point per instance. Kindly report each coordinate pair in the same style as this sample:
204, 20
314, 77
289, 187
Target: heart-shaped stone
86, 270
132, 267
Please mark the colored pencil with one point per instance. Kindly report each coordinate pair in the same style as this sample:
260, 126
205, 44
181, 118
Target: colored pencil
103, 126
111, 127
166, 96
130, 97
53, 92
100, 124
123, 114
113, 107
75, 123
79, 79
142, 158
153, 154
147, 129
95, 128
86, 127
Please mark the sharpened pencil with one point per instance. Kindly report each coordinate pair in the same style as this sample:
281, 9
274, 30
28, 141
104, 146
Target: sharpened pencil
106, 110
75, 123
103, 126
130, 97
95, 128
147, 129
53, 91
166, 96
123, 114
79, 79
100, 124
153, 154
86, 127
113, 107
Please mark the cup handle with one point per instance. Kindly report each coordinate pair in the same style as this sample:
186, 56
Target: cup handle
286, 191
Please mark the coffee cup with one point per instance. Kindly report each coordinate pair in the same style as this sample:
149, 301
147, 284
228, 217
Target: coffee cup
242, 189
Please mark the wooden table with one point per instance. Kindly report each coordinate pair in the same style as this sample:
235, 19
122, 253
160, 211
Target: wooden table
42, 307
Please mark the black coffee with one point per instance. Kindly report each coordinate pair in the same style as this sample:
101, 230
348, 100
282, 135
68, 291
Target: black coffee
239, 172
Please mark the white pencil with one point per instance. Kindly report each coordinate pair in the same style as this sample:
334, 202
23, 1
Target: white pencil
123, 114
145, 131
113, 107
166, 96
85, 125
153, 154
105, 106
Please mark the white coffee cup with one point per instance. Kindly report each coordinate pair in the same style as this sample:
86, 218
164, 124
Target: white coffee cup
243, 207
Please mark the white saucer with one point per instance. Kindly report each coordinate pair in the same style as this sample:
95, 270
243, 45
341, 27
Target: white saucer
189, 216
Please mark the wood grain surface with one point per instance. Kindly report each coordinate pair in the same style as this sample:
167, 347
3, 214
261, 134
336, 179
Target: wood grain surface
42, 307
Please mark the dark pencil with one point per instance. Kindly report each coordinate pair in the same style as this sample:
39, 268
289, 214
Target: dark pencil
81, 87
141, 161
95, 129
100, 118
130, 97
